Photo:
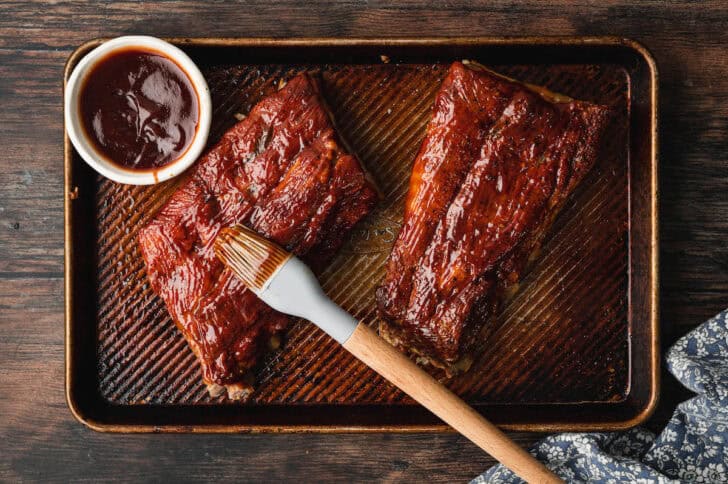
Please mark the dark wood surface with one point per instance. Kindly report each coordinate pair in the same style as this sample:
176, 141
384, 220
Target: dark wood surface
40, 440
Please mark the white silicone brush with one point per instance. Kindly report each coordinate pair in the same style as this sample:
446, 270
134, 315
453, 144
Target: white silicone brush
285, 283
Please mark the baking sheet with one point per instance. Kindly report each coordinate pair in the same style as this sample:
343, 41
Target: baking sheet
576, 348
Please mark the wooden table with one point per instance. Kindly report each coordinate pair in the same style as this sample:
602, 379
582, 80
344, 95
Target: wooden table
40, 440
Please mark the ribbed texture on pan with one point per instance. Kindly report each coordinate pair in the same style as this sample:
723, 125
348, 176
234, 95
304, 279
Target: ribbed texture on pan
563, 338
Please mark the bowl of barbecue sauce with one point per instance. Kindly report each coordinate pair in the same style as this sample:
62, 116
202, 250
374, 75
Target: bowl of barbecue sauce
138, 110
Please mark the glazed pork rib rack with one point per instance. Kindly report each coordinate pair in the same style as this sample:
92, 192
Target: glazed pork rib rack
281, 171
497, 163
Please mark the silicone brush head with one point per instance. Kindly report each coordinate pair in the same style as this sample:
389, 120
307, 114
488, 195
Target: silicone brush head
252, 258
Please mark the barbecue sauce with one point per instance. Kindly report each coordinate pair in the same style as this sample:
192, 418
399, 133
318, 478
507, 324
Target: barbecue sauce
139, 108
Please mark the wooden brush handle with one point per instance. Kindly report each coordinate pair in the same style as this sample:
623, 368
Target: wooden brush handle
386, 360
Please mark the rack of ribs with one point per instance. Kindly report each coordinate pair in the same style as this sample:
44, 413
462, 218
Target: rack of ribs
497, 163
281, 171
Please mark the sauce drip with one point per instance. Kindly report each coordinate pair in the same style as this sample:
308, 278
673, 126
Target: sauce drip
139, 108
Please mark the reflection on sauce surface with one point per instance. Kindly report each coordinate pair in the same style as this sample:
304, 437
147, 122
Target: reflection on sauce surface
139, 108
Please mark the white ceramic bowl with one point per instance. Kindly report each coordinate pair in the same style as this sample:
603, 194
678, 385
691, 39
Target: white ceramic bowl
85, 146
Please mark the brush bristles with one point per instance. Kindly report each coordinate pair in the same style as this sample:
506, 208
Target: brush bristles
251, 257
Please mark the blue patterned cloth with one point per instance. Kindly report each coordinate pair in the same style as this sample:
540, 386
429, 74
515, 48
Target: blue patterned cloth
693, 447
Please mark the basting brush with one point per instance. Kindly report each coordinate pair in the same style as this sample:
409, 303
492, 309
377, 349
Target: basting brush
287, 285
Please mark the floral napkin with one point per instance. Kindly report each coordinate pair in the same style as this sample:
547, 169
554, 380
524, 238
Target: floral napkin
693, 447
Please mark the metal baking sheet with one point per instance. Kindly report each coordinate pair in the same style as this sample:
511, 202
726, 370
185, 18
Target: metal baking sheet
575, 349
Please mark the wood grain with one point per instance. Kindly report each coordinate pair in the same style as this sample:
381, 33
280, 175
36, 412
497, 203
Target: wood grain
40, 440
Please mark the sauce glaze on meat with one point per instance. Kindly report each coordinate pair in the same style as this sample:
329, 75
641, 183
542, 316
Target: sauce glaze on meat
498, 160
281, 171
